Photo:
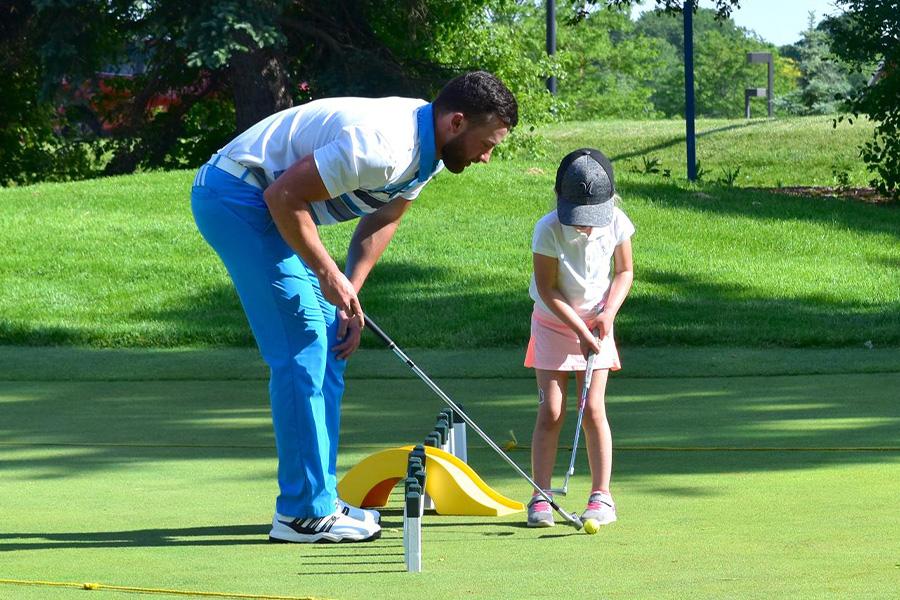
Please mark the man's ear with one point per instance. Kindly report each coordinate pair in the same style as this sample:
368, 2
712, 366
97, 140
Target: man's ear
457, 122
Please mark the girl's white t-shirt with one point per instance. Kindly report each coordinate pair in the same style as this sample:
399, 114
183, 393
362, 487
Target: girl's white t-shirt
583, 276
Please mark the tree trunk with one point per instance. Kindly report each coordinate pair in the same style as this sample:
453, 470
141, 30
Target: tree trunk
260, 86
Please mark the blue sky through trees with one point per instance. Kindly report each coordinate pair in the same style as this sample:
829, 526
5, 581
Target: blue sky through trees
776, 21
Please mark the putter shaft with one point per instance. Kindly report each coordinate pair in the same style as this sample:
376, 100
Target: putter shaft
585, 388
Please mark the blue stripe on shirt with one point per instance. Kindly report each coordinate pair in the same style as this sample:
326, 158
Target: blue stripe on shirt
354, 205
369, 199
338, 211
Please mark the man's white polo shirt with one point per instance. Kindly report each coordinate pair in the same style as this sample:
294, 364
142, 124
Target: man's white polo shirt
368, 150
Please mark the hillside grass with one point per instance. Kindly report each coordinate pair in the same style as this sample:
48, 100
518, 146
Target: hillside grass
118, 262
806, 151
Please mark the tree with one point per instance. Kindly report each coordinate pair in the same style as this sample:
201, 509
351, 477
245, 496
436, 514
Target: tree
824, 79
660, 24
607, 68
79, 40
869, 32
723, 7
506, 38
204, 54
31, 143
221, 67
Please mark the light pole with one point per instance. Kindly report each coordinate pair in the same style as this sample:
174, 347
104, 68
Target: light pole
551, 40
689, 108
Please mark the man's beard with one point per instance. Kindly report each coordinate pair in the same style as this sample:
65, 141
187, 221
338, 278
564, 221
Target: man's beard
453, 154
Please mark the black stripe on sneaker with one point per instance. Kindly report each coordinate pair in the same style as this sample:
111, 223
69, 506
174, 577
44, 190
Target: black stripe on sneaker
311, 526
331, 521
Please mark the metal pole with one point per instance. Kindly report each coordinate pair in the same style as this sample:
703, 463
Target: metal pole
551, 40
689, 89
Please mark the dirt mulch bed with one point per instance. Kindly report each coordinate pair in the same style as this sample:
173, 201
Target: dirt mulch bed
867, 195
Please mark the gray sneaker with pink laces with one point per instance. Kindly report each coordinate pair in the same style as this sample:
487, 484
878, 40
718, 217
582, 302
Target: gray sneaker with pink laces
539, 513
601, 508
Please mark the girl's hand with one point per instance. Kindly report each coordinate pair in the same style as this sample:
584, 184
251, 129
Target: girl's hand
588, 343
603, 324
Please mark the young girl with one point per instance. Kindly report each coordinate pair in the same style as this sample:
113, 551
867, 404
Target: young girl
575, 305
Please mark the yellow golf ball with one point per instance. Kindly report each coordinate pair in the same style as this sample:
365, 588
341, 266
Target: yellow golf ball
591, 526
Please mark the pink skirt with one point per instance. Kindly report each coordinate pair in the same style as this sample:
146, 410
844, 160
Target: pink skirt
554, 347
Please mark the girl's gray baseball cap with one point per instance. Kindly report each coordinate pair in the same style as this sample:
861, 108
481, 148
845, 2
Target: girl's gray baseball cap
584, 189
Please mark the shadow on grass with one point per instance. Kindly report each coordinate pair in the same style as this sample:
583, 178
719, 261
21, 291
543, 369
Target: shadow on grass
446, 302
806, 422
459, 309
210, 316
221, 535
697, 310
462, 311
769, 205
341, 562
57, 430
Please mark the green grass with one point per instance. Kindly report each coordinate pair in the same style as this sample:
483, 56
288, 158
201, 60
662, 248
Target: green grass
118, 262
160, 474
748, 464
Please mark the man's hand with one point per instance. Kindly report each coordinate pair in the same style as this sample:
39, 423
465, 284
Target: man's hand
338, 290
349, 334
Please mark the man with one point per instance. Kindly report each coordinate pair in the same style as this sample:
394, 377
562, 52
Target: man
259, 202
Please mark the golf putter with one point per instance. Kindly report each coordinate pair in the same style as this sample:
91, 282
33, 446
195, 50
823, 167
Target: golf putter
571, 518
588, 373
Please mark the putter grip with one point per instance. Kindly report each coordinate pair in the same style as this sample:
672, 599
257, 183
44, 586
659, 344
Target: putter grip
589, 371
370, 324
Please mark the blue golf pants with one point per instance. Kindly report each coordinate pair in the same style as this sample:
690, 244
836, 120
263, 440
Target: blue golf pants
294, 327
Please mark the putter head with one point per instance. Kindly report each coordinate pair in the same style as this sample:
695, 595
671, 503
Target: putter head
576, 522
565, 488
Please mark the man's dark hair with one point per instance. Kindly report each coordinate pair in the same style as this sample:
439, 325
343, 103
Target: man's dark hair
478, 95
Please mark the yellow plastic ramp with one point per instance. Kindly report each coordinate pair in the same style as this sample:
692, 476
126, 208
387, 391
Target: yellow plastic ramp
454, 487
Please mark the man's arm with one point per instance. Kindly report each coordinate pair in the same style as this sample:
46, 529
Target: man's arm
288, 199
372, 235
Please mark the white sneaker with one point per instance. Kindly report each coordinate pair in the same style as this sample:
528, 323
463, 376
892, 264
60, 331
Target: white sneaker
336, 527
360, 514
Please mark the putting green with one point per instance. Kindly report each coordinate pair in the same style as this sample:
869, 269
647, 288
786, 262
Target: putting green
750, 487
